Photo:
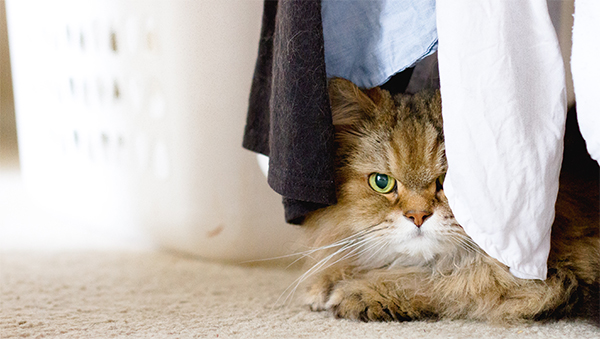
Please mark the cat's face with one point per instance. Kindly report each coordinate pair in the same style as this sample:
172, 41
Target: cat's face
390, 170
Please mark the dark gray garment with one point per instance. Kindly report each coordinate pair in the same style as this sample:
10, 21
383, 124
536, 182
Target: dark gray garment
289, 117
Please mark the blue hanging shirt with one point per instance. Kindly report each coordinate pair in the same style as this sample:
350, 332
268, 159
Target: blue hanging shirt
368, 41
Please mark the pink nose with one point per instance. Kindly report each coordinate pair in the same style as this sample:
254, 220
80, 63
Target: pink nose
418, 217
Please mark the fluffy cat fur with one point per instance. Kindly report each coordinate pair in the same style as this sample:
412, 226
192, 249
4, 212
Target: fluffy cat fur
372, 263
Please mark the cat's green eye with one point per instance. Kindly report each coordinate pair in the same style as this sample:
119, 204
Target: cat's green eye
439, 183
382, 183
441, 178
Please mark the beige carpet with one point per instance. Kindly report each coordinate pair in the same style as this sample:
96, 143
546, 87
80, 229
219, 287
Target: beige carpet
148, 294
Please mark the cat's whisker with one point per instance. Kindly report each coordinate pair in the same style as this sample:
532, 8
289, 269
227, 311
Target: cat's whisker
294, 285
374, 244
374, 228
462, 240
364, 250
354, 252
349, 239
315, 268
352, 243
302, 255
466, 243
383, 244
379, 244
307, 253
359, 241
355, 247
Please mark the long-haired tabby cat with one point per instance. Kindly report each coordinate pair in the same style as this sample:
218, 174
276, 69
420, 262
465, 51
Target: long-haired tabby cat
391, 248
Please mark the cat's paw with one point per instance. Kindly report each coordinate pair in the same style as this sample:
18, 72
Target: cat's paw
356, 300
318, 294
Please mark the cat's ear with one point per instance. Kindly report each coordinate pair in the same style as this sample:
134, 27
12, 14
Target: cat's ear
349, 103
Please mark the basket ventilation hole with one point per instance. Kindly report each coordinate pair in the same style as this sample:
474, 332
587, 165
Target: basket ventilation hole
72, 86
100, 89
82, 41
91, 152
68, 34
116, 91
151, 41
105, 140
113, 41
84, 90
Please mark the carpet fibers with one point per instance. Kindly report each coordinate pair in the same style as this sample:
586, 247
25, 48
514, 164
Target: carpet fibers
154, 294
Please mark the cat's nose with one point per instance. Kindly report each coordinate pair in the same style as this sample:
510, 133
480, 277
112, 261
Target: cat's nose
418, 217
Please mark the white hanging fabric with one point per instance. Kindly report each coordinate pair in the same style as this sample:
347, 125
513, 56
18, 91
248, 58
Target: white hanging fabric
504, 106
585, 67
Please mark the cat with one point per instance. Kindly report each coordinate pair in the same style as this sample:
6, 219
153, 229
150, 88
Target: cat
391, 250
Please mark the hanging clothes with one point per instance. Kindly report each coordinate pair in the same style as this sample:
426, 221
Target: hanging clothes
289, 118
367, 42
504, 107
586, 71
503, 93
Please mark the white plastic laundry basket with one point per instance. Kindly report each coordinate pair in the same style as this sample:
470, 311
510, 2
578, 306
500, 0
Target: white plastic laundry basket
132, 113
